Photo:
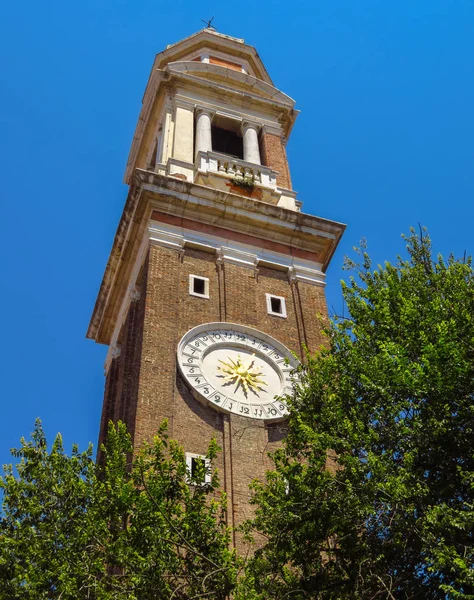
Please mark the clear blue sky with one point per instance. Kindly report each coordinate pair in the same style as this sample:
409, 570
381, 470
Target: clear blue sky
385, 139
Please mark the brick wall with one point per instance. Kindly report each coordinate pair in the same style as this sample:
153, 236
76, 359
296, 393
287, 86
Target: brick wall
144, 387
274, 156
121, 383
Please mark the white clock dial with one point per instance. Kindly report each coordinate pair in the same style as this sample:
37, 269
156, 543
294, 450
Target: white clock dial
237, 369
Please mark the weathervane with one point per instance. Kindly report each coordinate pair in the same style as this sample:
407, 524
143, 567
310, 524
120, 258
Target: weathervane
209, 23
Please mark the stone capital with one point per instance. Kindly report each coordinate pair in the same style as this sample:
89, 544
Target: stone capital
115, 350
272, 130
236, 257
306, 275
134, 291
159, 237
113, 353
249, 125
203, 110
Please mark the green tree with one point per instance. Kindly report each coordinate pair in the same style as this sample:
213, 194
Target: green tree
72, 530
372, 495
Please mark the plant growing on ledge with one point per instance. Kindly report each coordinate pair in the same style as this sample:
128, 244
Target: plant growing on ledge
246, 182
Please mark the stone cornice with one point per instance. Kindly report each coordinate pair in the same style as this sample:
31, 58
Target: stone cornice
210, 208
239, 213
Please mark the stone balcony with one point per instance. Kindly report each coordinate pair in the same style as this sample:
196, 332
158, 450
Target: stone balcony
228, 173
229, 166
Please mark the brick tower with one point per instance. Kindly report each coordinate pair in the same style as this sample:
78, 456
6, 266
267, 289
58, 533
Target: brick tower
215, 275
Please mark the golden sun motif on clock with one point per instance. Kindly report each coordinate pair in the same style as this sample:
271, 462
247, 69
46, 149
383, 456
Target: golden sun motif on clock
249, 377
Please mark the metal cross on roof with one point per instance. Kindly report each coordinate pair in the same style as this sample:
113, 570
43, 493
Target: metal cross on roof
209, 23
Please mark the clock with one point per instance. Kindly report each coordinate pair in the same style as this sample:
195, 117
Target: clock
237, 369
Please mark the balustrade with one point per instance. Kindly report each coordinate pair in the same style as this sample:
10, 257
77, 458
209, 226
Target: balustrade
214, 162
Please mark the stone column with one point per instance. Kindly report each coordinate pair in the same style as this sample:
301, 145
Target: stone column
251, 148
203, 131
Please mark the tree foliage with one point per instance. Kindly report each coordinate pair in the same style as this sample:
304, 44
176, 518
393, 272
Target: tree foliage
372, 495
72, 530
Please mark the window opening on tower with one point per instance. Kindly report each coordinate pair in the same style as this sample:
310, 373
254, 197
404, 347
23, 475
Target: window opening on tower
227, 142
197, 464
276, 305
199, 286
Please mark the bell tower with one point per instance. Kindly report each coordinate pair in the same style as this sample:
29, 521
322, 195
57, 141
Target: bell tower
215, 277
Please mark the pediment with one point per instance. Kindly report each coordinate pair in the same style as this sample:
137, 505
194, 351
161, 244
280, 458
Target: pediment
231, 78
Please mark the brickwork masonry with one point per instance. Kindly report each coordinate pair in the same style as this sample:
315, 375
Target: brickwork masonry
274, 156
143, 386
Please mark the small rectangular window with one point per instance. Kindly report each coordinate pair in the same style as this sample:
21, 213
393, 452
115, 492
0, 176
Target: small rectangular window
198, 468
276, 306
199, 286
197, 464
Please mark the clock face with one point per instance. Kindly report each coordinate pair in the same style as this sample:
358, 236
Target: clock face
237, 369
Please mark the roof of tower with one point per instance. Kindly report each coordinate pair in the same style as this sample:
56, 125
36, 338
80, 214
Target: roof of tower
209, 38
209, 30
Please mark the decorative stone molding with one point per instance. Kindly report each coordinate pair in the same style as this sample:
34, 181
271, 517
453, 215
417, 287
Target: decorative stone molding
114, 352
237, 253
306, 275
204, 110
293, 229
167, 239
203, 217
288, 199
181, 169
237, 257
182, 103
247, 123
135, 293
176, 238
274, 129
